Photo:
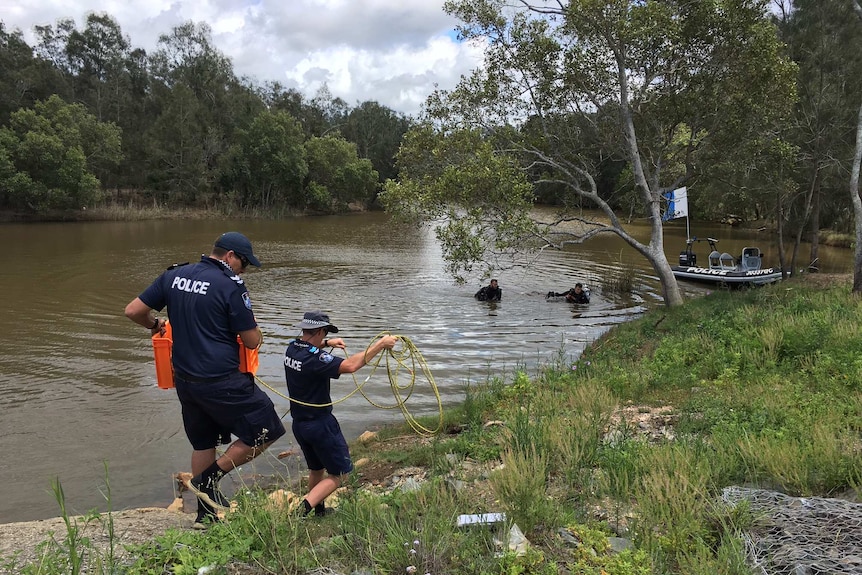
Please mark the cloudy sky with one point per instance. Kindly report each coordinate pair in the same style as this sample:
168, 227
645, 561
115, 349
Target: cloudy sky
389, 51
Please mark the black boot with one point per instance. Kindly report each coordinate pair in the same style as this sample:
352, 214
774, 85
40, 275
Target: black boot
206, 516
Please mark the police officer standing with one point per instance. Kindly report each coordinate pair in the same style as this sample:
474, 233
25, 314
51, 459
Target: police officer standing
308, 370
208, 306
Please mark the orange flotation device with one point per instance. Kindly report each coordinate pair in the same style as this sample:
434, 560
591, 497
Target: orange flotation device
162, 345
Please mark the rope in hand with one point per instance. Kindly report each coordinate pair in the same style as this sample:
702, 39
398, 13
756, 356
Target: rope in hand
398, 362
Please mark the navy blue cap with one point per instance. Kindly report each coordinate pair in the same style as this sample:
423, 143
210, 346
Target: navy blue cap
239, 244
316, 320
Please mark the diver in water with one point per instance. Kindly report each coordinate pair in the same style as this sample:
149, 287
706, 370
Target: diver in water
575, 295
491, 292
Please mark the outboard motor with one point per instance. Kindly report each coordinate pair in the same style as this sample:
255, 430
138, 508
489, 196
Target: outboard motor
687, 258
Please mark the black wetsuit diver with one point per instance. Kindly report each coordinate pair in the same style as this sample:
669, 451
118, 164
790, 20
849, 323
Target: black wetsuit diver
575, 295
490, 292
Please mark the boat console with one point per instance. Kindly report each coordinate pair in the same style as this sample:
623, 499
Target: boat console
751, 259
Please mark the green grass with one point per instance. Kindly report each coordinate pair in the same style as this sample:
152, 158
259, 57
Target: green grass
766, 390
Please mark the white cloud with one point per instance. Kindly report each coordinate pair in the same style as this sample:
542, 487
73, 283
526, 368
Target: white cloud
390, 51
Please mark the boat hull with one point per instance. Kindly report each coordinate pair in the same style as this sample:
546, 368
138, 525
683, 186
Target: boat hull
729, 277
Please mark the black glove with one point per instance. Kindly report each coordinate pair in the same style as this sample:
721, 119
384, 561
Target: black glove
550, 294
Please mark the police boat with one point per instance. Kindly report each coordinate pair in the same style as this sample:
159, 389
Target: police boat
724, 269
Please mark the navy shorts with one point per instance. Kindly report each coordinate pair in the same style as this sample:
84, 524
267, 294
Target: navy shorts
323, 445
234, 405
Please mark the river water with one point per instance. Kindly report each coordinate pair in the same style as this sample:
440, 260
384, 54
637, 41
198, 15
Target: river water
77, 383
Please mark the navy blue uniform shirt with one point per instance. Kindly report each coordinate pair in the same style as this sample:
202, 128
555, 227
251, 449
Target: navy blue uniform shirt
308, 370
208, 305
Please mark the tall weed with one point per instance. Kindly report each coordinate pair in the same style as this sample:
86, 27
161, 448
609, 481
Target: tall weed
674, 495
521, 486
622, 280
412, 532
576, 433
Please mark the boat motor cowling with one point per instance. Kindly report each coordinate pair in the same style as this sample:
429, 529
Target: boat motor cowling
687, 258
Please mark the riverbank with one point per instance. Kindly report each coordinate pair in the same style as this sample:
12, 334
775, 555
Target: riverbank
826, 237
156, 211
128, 212
637, 443
132, 213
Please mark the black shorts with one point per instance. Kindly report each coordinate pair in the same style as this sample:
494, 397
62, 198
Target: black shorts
323, 445
233, 404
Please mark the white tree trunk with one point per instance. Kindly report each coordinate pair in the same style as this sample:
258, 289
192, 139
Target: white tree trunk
854, 190
857, 206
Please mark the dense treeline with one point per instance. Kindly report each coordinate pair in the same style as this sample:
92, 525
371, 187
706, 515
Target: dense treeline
85, 118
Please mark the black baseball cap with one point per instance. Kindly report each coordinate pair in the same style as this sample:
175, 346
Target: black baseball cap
239, 244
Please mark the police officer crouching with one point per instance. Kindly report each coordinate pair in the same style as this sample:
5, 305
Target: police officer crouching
308, 369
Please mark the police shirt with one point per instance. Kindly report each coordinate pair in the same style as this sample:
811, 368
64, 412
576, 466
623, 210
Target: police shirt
208, 305
308, 370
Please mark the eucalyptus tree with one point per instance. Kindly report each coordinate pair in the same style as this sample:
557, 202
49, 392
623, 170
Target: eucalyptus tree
329, 112
15, 55
191, 91
179, 147
377, 132
276, 97
138, 114
52, 42
309, 113
51, 47
98, 55
854, 185
102, 65
670, 85
24, 79
822, 37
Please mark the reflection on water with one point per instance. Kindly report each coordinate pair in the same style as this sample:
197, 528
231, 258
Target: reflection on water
77, 384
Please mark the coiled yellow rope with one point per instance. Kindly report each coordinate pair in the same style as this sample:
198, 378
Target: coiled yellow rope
404, 357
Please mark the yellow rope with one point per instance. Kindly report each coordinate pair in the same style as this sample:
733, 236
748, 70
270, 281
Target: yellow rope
397, 361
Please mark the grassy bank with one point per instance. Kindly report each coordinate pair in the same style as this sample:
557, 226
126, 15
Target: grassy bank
637, 440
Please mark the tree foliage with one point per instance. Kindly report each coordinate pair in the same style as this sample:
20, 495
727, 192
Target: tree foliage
268, 165
598, 104
193, 134
48, 157
677, 90
478, 199
377, 132
338, 174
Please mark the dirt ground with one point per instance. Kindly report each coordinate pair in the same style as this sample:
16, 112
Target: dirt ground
19, 540
136, 526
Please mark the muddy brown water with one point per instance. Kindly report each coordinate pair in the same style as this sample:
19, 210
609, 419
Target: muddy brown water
77, 382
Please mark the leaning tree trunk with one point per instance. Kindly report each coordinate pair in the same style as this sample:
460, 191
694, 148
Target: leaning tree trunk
654, 252
779, 222
669, 285
813, 261
806, 214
